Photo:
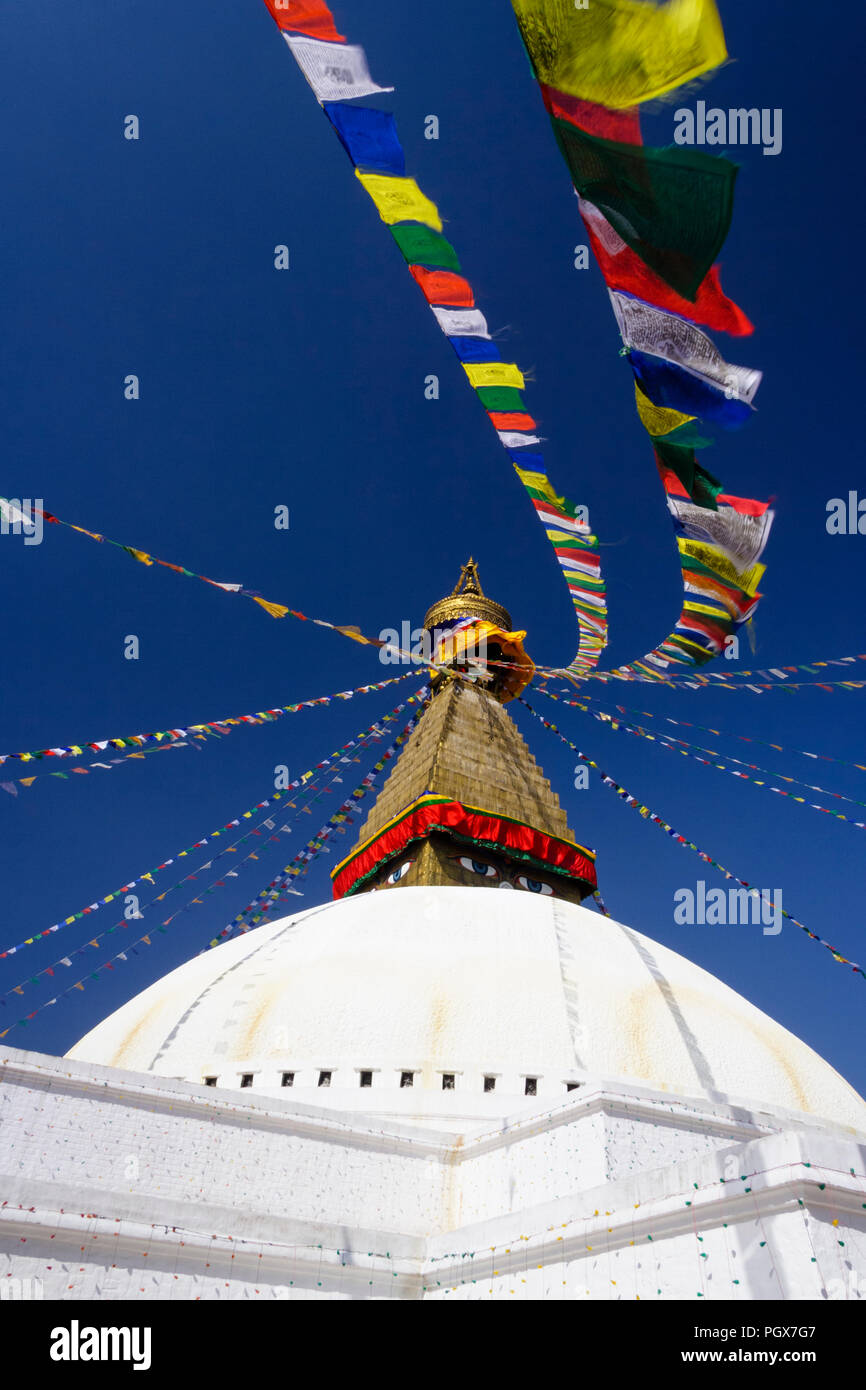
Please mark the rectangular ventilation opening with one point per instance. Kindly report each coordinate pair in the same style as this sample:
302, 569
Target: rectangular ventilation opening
210, 1081
407, 1078
531, 1087
572, 1085
490, 1083
247, 1079
448, 1081
366, 1078
288, 1078
324, 1078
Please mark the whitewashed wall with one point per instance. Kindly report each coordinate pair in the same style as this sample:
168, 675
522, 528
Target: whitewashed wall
122, 1185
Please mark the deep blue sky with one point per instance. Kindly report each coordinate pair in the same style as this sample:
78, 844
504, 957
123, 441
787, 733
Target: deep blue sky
306, 388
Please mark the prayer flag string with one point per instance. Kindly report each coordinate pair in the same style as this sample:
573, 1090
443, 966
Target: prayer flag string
86, 768
369, 138
268, 897
689, 750
742, 738
163, 737
656, 219
309, 852
647, 814
148, 876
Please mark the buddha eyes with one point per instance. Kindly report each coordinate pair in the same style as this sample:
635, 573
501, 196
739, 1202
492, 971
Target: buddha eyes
477, 866
484, 870
400, 872
534, 885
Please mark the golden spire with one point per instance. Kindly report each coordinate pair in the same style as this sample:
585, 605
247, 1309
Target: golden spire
466, 803
467, 600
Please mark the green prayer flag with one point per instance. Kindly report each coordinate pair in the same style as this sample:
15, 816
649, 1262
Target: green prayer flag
686, 436
698, 482
500, 398
671, 205
422, 246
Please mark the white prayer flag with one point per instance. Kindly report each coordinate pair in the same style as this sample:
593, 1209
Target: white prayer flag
740, 536
335, 71
513, 439
652, 330
462, 323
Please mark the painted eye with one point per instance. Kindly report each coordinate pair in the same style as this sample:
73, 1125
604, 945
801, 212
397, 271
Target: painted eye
534, 885
400, 872
477, 866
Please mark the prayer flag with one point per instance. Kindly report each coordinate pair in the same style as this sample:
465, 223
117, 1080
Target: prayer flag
667, 384
624, 270
443, 287
672, 206
400, 200
494, 374
420, 245
653, 330
276, 610
621, 52
368, 136
311, 17
335, 73
464, 323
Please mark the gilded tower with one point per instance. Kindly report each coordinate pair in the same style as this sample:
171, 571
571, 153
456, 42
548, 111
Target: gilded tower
466, 803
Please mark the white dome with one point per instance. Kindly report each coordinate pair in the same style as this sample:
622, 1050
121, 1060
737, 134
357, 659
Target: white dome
462, 982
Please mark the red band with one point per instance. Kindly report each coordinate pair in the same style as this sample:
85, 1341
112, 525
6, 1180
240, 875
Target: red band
473, 825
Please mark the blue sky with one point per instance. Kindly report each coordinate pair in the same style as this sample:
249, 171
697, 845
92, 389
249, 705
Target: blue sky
305, 388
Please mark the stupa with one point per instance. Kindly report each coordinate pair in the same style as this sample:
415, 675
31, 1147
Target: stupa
432, 1088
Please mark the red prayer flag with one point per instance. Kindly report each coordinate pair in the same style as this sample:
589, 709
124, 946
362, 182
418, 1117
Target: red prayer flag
711, 306
623, 126
444, 287
748, 506
511, 420
310, 17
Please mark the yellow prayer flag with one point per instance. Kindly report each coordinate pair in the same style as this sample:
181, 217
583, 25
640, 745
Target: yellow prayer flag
690, 607
400, 200
276, 610
354, 632
140, 555
557, 537
658, 419
494, 374
716, 560
621, 52
541, 482
694, 646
